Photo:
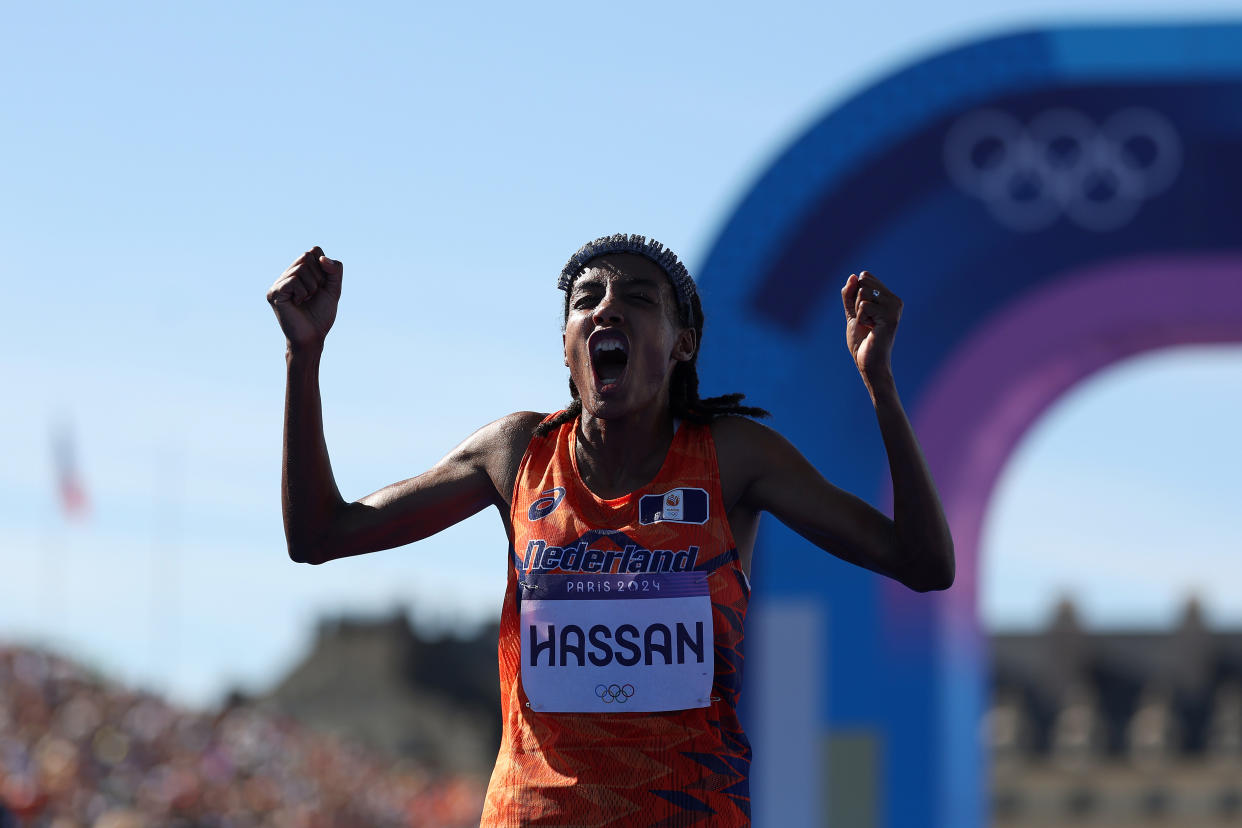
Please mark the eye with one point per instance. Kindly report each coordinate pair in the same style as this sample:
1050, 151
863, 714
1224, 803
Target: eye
643, 297
585, 300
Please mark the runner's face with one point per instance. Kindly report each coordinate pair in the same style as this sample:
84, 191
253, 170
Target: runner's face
621, 340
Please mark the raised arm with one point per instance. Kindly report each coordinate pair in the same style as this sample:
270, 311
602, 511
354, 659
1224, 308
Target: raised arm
923, 544
476, 474
320, 525
767, 473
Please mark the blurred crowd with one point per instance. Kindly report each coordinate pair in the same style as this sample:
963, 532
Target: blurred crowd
78, 751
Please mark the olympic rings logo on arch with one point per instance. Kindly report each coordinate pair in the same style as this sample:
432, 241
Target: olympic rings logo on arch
1063, 163
619, 693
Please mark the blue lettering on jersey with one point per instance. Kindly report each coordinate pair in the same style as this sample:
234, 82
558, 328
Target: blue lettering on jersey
539, 557
567, 647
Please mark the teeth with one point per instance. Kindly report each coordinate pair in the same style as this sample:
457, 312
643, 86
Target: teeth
609, 345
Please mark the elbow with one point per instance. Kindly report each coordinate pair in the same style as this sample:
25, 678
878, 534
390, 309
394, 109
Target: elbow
302, 556
312, 554
948, 581
314, 547
937, 579
937, 583
930, 584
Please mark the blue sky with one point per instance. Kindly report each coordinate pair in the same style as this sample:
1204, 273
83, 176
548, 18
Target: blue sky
165, 163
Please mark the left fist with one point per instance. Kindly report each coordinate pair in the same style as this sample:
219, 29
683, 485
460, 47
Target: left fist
871, 315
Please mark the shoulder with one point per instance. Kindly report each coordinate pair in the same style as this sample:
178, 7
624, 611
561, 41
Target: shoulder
520, 424
498, 447
507, 436
745, 451
743, 437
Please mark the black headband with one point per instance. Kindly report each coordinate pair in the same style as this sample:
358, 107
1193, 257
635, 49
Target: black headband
683, 285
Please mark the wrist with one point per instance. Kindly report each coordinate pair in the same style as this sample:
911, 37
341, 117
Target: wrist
880, 384
303, 350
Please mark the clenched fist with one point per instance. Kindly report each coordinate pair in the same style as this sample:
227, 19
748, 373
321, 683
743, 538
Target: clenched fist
872, 311
305, 296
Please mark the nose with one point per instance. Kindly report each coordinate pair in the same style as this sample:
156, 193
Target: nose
608, 311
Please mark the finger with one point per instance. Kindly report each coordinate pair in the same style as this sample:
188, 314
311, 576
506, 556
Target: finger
295, 283
299, 280
286, 289
309, 280
870, 287
330, 267
300, 260
313, 274
865, 294
871, 280
873, 315
314, 266
873, 290
276, 296
334, 272
328, 272
298, 291
849, 295
870, 292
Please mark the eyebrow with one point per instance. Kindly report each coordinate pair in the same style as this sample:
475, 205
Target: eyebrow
632, 281
643, 282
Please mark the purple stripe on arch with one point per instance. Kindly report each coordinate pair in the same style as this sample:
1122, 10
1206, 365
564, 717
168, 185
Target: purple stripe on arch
990, 391
981, 402
626, 587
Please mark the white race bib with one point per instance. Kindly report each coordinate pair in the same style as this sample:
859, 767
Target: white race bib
616, 643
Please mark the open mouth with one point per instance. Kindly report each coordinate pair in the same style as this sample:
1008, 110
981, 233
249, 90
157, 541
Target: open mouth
610, 353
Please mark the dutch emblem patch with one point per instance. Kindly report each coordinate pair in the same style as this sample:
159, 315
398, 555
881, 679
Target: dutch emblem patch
674, 506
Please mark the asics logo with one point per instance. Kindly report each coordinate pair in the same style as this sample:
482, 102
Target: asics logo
545, 504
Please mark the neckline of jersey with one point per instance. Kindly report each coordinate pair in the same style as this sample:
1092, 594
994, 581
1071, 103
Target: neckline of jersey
628, 496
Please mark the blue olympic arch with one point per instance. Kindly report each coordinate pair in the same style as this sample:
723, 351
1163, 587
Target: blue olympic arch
1046, 203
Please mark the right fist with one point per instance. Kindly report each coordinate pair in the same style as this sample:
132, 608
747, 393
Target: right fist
305, 296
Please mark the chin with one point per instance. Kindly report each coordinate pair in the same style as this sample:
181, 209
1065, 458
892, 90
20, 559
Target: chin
616, 406
607, 408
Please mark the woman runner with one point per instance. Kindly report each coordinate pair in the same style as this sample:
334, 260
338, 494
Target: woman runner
631, 518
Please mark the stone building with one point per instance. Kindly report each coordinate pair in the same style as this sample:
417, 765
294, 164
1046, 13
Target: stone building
436, 700
1138, 727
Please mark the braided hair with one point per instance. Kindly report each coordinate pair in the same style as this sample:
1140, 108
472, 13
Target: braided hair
684, 400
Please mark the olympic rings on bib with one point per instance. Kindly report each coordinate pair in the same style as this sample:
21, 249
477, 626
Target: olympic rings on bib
1062, 163
619, 693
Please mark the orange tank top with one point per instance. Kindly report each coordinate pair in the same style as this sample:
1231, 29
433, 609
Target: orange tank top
621, 648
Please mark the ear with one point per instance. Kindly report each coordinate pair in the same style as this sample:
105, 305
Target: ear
563, 351
685, 345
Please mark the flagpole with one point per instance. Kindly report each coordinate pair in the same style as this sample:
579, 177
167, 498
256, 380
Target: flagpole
165, 569
56, 608
71, 497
